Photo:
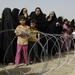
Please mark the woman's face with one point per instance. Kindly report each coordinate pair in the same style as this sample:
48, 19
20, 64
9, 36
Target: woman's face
51, 14
24, 11
37, 11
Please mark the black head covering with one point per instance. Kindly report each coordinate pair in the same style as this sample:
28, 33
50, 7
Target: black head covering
41, 19
72, 24
60, 20
40, 10
21, 13
59, 23
15, 13
51, 25
7, 19
54, 18
7, 23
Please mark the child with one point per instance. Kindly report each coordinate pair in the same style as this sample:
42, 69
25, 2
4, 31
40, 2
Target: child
22, 40
36, 35
66, 33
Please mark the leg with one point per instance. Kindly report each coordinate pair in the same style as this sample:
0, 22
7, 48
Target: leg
36, 57
31, 54
17, 58
25, 54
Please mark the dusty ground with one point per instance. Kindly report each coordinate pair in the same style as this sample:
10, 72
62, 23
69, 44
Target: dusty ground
53, 66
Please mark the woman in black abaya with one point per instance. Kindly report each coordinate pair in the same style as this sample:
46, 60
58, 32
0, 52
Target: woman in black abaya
52, 28
24, 12
59, 25
40, 17
15, 15
51, 23
7, 23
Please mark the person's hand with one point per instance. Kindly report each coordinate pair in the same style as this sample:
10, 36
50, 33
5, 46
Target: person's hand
18, 33
25, 15
50, 19
57, 24
51, 16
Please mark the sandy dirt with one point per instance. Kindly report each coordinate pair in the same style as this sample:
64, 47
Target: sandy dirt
55, 66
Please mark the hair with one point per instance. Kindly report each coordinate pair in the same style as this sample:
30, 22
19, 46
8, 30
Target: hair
33, 21
22, 17
65, 20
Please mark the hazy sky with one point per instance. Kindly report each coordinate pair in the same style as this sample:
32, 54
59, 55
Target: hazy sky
63, 8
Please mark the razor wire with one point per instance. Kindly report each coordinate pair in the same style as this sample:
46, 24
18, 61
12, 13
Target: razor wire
48, 37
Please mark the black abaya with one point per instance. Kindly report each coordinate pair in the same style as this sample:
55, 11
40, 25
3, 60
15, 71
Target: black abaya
51, 29
7, 23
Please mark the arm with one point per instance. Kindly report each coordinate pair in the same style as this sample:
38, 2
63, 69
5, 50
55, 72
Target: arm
17, 32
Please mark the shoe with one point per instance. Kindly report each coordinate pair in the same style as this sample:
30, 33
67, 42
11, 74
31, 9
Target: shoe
25, 64
31, 62
11, 63
16, 66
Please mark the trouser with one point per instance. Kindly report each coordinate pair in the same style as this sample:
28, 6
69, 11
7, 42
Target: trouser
33, 51
20, 48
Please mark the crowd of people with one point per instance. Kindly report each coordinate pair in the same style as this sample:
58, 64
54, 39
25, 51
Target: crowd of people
33, 24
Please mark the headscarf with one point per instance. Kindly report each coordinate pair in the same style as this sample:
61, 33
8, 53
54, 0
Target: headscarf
15, 14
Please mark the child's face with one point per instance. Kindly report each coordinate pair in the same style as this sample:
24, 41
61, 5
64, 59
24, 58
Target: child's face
32, 25
66, 22
22, 21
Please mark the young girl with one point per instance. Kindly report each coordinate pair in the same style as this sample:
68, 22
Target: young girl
22, 41
66, 33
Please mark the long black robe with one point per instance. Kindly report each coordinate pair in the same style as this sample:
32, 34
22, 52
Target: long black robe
7, 23
59, 28
15, 15
51, 25
51, 29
